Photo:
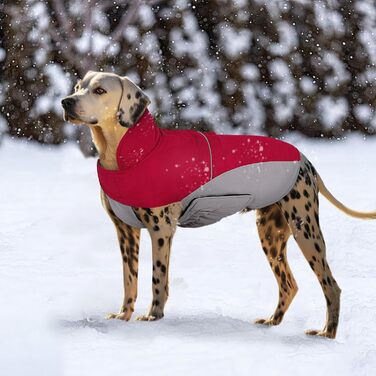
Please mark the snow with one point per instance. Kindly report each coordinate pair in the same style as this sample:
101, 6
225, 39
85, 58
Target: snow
307, 85
288, 40
364, 112
337, 73
59, 87
329, 20
235, 42
61, 273
332, 111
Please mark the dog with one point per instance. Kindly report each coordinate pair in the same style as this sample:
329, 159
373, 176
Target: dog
111, 106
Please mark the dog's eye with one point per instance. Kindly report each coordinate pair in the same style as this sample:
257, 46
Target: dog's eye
99, 91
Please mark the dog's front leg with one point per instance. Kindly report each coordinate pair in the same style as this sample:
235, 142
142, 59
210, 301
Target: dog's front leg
161, 224
129, 240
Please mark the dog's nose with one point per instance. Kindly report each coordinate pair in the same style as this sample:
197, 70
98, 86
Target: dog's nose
68, 103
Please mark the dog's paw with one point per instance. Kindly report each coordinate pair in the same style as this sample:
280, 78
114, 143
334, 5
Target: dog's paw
320, 333
149, 317
120, 316
267, 322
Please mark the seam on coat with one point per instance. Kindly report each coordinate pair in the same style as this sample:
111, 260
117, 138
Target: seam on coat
210, 155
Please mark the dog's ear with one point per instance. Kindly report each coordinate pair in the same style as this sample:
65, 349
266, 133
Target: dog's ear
132, 104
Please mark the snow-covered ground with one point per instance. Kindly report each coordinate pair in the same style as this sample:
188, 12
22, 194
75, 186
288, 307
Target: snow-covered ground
60, 273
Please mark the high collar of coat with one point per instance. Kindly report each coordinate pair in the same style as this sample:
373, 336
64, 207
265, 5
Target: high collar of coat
138, 142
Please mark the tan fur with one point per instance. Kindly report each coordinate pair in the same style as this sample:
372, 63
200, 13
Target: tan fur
106, 142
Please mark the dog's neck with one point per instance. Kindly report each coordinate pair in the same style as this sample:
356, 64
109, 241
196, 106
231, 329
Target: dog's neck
106, 138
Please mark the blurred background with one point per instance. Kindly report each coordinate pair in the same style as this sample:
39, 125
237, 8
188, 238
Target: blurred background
232, 66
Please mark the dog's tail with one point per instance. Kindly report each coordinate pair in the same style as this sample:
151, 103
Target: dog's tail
353, 213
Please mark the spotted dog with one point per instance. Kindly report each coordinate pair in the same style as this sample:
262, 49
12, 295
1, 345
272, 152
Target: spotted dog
111, 106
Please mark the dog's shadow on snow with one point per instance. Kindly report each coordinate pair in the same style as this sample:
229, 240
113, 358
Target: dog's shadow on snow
216, 327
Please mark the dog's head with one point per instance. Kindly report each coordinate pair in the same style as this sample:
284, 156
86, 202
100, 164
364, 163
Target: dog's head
102, 98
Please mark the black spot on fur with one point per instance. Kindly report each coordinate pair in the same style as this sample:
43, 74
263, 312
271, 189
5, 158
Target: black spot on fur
316, 217
278, 219
283, 277
140, 107
124, 123
317, 247
129, 96
294, 194
307, 229
273, 252
131, 240
160, 242
277, 271
308, 180
262, 221
163, 268
278, 316
298, 223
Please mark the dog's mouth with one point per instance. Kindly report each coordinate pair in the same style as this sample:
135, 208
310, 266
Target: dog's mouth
72, 117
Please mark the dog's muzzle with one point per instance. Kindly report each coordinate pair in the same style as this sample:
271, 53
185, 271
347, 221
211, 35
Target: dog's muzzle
69, 104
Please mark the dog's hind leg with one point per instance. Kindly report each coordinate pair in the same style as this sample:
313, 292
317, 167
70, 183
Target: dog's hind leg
301, 208
274, 233
129, 240
161, 224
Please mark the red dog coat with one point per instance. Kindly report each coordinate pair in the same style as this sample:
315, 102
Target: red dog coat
216, 174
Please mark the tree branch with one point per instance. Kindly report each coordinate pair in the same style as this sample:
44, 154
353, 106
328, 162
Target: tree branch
117, 34
63, 18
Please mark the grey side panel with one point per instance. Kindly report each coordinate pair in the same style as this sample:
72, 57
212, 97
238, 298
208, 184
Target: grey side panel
125, 213
252, 186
